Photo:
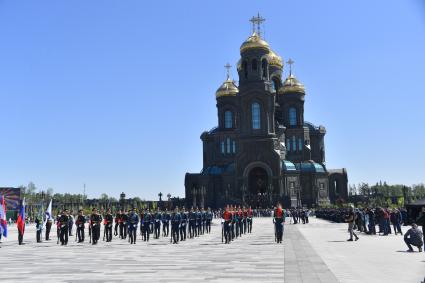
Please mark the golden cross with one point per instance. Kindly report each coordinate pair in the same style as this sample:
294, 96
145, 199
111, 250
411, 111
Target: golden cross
228, 66
257, 21
290, 62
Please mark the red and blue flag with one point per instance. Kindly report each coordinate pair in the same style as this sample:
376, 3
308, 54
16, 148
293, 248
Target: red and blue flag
21, 218
3, 219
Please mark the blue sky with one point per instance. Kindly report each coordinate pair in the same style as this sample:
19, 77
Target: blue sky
115, 94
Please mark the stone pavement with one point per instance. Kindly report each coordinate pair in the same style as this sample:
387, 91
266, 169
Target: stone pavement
371, 259
252, 258
317, 252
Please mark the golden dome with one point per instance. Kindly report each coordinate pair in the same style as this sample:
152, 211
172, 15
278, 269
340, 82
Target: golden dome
254, 41
228, 88
291, 84
274, 59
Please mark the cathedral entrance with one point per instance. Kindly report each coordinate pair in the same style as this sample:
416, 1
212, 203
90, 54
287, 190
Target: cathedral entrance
257, 187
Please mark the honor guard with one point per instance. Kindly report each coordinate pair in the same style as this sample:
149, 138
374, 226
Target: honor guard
192, 223
48, 227
183, 225
165, 223
245, 216
39, 228
157, 224
146, 225
226, 227
175, 225
249, 219
198, 222
95, 221
117, 222
80, 222
240, 221
203, 220
107, 222
63, 222
279, 218
133, 220
209, 217
124, 224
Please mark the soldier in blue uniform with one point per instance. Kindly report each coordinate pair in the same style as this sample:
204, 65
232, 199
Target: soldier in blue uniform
146, 225
133, 220
183, 225
198, 222
157, 224
209, 217
165, 223
192, 223
204, 220
175, 225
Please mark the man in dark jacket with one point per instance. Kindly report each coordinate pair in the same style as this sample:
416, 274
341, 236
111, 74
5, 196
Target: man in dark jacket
413, 237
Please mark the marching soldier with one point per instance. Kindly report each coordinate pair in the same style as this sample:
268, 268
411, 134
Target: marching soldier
133, 220
198, 222
157, 224
48, 228
192, 223
108, 225
227, 219
165, 223
117, 222
95, 221
249, 219
80, 222
183, 224
39, 228
209, 217
232, 226
146, 225
245, 216
240, 220
175, 225
279, 218
124, 217
204, 220
63, 224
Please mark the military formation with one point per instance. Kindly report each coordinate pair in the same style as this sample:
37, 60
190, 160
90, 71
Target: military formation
177, 224
129, 224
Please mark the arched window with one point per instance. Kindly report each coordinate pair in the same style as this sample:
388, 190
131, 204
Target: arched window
228, 119
254, 64
255, 112
228, 145
275, 83
292, 116
300, 144
234, 147
264, 69
288, 145
222, 147
245, 69
294, 143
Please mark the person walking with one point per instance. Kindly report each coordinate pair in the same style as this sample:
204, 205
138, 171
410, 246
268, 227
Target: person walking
350, 219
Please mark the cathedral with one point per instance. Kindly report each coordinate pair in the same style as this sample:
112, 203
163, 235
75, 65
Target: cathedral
263, 151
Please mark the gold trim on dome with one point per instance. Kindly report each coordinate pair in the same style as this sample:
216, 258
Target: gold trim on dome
274, 59
228, 88
254, 41
291, 84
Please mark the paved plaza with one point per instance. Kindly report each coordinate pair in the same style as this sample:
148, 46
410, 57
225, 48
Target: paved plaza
316, 252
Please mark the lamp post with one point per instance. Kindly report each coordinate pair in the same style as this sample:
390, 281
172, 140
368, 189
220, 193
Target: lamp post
169, 201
